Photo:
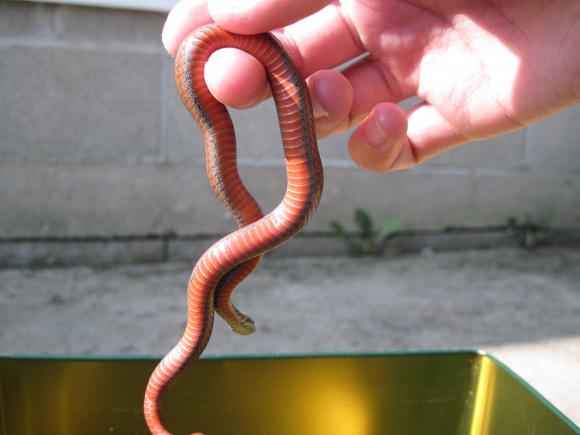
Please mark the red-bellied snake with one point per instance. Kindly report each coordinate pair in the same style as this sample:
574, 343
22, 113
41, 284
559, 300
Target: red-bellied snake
231, 259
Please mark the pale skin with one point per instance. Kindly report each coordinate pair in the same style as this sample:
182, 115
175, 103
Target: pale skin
482, 68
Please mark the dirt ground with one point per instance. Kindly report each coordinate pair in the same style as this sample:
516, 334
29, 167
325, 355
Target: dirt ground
521, 306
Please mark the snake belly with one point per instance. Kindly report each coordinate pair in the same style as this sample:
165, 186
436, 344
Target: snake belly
233, 257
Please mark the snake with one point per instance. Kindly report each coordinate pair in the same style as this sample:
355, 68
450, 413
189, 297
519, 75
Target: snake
233, 257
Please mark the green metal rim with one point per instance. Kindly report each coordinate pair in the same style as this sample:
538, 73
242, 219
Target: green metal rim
150, 357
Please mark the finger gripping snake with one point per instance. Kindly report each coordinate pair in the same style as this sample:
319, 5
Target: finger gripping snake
228, 261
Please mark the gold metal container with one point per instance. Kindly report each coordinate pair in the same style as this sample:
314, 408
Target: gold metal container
451, 393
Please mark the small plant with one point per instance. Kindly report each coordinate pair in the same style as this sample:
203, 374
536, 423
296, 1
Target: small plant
529, 229
367, 240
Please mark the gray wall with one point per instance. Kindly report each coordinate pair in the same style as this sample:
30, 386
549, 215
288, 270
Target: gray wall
94, 142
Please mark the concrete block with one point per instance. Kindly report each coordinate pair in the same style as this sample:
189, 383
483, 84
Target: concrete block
267, 185
181, 138
497, 197
311, 245
74, 104
505, 151
26, 19
334, 150
258, 133
80, 252
554, 144
109, 26
421, 200
189, 249
72, 200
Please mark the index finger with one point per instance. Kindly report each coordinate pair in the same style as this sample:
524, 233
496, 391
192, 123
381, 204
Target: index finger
258, 16
317, 36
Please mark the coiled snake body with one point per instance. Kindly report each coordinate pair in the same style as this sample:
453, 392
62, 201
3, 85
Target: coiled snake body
225, 264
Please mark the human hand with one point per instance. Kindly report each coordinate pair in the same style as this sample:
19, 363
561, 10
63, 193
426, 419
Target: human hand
482, 68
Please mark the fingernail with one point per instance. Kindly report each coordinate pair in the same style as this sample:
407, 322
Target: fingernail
319, 111
317, 107
376, 135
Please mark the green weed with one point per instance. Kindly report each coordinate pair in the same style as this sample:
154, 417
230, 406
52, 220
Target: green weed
530, 230
367, 240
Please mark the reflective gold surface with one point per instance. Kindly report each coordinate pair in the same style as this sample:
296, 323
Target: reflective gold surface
404, 394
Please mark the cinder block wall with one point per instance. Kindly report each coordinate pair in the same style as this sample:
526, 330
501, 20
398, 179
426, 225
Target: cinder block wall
94, 142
